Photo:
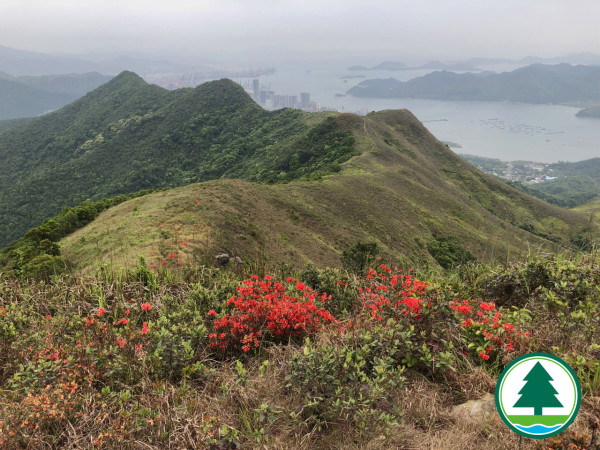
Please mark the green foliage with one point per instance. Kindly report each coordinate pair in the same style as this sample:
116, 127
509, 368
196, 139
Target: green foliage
349, 383
337, 283
176, 339
533, 230
144, 275
557, 282
448, 252
360, 256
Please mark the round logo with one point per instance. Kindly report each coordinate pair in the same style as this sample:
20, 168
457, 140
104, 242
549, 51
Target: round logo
538, 395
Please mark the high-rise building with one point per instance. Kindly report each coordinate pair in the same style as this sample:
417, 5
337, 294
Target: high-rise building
256, 90
304, 100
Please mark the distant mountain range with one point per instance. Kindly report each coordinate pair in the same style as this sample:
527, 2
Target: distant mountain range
26, 63
432, 65
471, 64
537, 83
29, 96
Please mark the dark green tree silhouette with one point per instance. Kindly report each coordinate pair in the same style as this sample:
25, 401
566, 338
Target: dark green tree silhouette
538, 393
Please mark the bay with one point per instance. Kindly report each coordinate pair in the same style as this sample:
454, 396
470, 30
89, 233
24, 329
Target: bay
507, 131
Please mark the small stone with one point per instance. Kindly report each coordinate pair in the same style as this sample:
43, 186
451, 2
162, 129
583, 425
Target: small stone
477, 408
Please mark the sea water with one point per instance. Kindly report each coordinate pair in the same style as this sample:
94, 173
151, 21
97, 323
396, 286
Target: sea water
508, 131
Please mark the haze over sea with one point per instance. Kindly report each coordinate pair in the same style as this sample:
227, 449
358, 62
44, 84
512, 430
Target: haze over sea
507, 131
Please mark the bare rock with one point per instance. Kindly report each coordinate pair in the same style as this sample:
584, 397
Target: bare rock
222, 259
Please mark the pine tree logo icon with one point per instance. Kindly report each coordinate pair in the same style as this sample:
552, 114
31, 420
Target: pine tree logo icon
538, 395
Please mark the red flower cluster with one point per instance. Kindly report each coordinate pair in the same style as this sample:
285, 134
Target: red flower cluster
266, 309
388, 292
484, 323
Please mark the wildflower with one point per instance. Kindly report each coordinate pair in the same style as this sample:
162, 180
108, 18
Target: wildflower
163, 262
101, 311
153, 266
212, 312
146, 306
145, 328
487, 306
300, 286
122, 321
483, 356
127, 312
48, 317
508, 327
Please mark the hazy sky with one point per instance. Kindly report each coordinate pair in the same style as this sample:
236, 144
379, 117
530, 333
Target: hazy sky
443, 29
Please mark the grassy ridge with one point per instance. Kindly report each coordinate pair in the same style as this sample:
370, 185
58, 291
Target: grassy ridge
37, 254
405, 191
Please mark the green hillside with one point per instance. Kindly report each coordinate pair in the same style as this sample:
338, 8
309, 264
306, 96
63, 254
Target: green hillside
127, 136
405, 191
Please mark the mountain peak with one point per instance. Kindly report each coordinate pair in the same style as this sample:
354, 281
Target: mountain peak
127, 77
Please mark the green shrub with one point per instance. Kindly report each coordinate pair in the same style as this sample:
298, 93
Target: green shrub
349, 383
448, 252
357, 258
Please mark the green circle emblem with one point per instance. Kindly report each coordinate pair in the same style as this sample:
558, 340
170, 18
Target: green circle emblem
538, 395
